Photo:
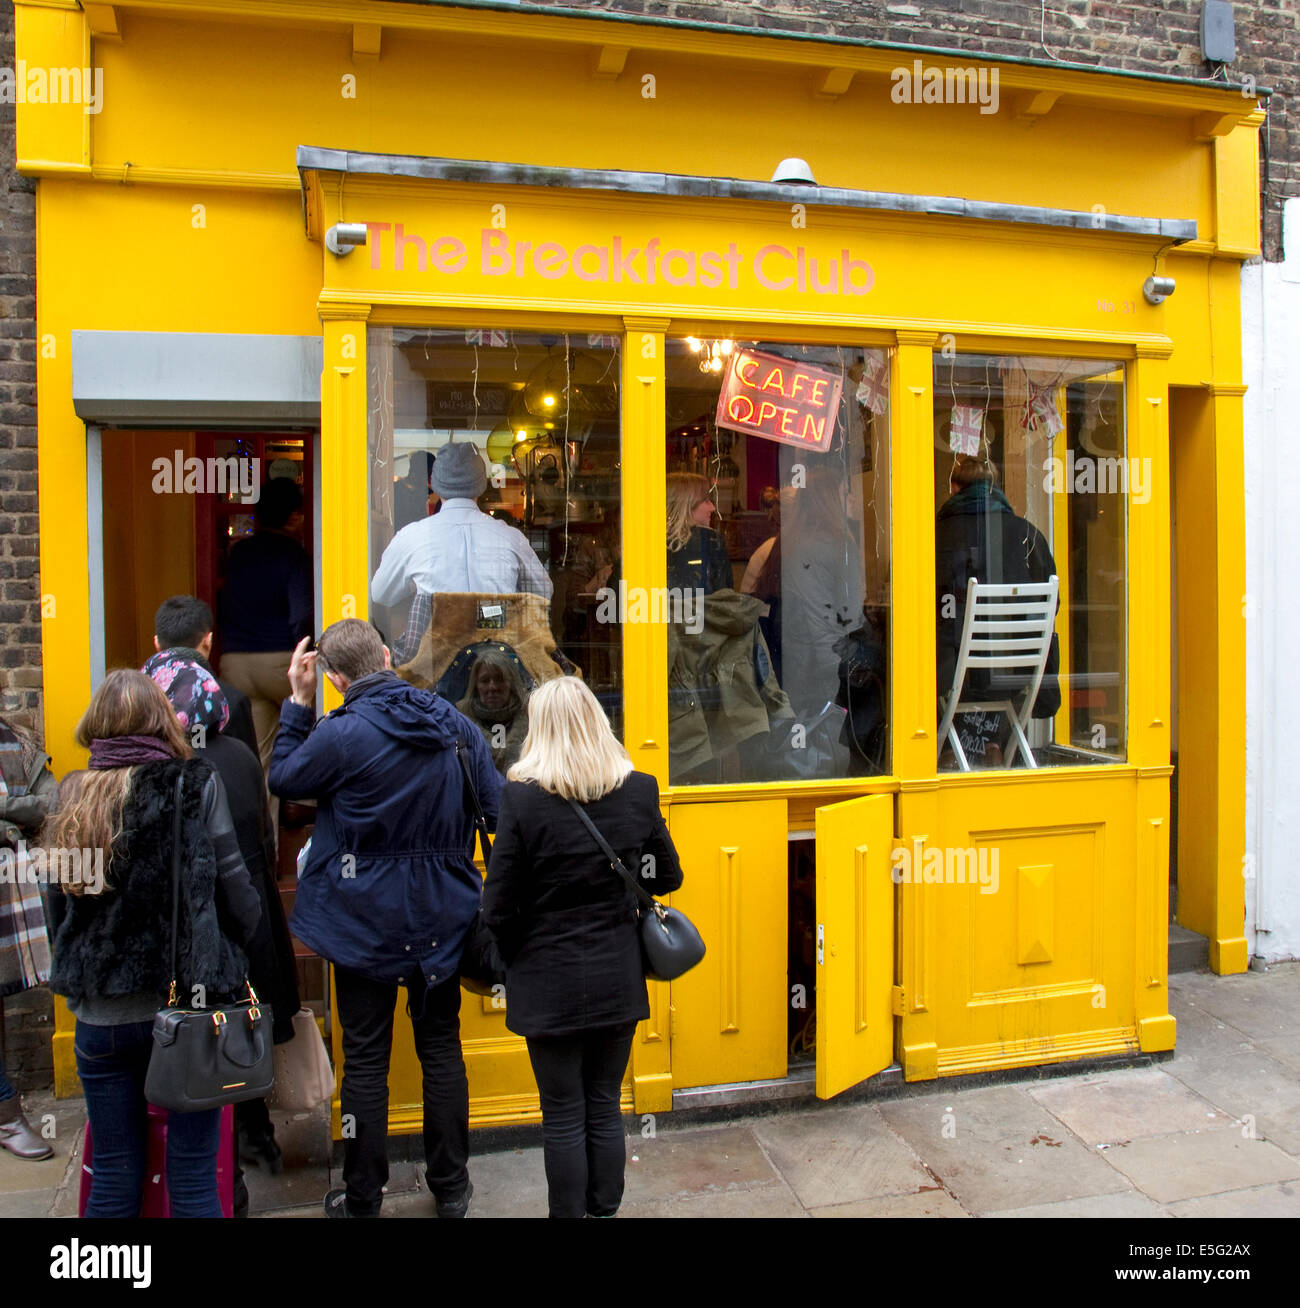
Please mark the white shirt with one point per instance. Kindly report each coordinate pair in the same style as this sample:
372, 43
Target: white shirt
458, 551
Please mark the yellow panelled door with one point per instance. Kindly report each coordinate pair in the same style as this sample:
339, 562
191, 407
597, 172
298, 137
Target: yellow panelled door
855, 942
729, 1014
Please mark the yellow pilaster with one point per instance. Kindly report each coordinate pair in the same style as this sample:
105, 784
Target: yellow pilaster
344, 473
1228, 949
913, 708
645, 644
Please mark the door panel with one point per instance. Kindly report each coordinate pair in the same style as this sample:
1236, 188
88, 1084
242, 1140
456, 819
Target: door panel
729, 1014
855, 942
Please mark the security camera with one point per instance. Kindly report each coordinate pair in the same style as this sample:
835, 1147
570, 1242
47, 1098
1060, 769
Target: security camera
343, 238
1157, 289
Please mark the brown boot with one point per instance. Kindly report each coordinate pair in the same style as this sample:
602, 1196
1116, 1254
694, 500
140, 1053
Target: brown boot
16, 1133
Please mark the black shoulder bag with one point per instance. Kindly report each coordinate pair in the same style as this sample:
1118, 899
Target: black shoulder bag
207, 1057
670, 944
481, 965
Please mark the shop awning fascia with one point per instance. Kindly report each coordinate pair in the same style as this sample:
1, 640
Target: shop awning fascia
481, 172
186, 379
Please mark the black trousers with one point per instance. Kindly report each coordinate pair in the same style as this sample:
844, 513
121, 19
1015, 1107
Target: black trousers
365, 1010
579, 1077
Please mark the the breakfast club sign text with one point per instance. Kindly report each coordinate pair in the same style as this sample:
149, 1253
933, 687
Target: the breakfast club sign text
618, 261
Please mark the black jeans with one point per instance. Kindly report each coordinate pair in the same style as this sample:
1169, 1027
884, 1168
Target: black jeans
365, 1010
579, 1078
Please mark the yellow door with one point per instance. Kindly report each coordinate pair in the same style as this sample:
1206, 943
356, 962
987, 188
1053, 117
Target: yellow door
855, 942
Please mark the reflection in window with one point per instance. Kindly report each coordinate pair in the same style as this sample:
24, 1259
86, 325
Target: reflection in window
1031, 480
494, 494
777, 539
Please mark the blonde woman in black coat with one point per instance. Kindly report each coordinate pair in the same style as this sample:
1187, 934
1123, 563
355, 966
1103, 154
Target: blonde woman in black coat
566, 925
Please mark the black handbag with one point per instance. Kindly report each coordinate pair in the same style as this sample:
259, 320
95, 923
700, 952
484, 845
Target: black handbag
207, 1057
670, 944
481, 966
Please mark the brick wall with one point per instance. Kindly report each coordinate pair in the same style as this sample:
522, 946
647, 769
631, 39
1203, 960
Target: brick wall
20, 587
1151, 36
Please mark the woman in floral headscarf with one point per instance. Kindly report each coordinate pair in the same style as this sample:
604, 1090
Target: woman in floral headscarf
202, 710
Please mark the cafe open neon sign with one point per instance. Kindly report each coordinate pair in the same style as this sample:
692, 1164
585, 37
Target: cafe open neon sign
780, 400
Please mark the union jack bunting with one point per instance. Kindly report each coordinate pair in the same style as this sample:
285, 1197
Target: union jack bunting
1041, 408
873, 389
598, 342
965, 429
497, 340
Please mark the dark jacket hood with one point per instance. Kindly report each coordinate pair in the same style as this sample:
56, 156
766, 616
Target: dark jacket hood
420, 719
978, 497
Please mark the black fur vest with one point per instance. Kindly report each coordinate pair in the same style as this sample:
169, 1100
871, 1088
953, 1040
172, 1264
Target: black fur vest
118, 943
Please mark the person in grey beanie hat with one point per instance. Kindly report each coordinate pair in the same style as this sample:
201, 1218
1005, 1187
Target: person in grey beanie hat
460, 550
458, 472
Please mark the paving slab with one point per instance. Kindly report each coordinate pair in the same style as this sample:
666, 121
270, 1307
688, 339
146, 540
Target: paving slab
836, 1156
1131, 1204
933, 1203
1279, 1200
770, 1199
1128, 1105
1261, 1009
27, 1203
1005, 1149
1250, 1085
1173, 1167
1200, 1031
678, 1164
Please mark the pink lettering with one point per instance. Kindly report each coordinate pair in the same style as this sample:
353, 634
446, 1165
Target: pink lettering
448, 255
851, 267
763, 279
373, 233
602, 263
400, 242
551, 261
494, 253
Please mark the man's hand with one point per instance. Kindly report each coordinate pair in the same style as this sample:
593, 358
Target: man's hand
302, 674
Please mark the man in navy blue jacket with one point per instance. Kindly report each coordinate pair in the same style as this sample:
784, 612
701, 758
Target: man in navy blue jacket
388, 892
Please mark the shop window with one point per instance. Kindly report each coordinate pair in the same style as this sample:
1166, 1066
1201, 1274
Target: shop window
494, 516
1032, 480
777, 540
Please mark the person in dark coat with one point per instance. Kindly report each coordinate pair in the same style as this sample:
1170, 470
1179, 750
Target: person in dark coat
978, 534
697, 555
566, 924
112, 931
183, 627
202, 712
388, 891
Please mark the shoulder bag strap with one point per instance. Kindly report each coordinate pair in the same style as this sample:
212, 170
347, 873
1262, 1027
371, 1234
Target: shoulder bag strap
176, 877
648, 901
479, 820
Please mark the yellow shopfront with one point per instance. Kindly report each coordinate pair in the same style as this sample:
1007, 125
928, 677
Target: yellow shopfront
758, 437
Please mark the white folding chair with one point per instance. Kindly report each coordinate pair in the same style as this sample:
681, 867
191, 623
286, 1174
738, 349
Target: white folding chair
1008, 629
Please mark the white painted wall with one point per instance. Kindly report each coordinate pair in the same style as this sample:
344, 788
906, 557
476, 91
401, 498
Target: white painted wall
1271, 359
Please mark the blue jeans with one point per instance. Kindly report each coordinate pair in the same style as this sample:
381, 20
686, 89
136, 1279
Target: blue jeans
6, 1088
112, 1062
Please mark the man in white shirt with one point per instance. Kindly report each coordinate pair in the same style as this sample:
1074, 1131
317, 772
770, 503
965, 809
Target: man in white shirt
459, 550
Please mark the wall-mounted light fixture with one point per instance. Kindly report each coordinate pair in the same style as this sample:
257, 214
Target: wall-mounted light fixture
1157, 289
794, 172
343, 238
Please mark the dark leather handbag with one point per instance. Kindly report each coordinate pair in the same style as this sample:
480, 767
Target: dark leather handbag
482, 968
670, 944
207, 1057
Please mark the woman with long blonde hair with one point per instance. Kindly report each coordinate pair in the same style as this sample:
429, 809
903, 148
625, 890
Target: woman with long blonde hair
566, 924
697, 555
112, 930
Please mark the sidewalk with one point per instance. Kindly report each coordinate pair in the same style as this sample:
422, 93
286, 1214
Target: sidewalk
1213, 1131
